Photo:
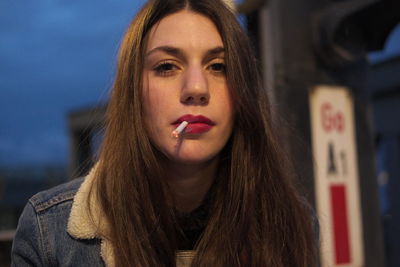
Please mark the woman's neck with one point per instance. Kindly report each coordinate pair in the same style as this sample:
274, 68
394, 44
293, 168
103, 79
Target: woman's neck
190, 183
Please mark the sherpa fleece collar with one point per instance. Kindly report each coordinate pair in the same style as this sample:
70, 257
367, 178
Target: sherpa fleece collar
83, 226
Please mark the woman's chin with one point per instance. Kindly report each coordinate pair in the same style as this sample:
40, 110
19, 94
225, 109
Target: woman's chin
191, 157
191, 151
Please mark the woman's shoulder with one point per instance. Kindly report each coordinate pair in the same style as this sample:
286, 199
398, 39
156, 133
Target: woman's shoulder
62, 193
42, 239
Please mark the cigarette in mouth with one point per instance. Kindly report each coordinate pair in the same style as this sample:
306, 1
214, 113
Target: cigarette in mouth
179, 129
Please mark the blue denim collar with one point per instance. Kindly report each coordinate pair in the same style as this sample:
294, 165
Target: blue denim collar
83, 224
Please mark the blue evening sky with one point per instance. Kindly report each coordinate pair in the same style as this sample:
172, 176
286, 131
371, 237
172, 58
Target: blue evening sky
57, 56
392, 47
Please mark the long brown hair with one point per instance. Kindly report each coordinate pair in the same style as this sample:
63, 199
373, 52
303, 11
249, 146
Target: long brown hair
257, 218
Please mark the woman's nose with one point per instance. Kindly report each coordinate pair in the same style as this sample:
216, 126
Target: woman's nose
195, 87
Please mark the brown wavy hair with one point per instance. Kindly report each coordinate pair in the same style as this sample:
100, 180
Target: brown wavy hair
257, 217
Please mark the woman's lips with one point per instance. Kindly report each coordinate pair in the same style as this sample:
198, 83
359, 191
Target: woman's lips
197, 128
197, 124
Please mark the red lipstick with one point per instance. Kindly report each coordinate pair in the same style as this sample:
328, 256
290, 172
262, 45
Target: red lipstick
197, 124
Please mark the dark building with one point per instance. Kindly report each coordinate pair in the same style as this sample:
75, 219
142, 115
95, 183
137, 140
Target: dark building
384, 86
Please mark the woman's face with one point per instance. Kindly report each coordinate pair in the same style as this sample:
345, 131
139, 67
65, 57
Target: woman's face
184, 80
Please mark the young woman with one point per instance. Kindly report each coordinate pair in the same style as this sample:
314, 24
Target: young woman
217, 192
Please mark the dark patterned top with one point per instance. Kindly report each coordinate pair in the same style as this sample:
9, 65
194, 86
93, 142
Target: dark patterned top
192, 224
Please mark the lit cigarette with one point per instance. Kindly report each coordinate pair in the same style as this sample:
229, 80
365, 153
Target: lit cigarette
179, 129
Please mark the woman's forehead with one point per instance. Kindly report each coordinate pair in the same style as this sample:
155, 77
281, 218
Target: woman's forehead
185, 30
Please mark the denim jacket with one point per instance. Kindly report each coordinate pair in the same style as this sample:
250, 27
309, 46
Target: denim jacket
55, 230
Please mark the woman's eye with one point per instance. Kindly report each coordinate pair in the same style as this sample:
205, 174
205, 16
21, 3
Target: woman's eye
165, 68
218, 67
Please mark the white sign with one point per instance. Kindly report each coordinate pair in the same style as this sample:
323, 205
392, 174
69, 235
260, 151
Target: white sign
336, 176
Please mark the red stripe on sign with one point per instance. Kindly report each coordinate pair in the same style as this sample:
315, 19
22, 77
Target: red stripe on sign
340, 224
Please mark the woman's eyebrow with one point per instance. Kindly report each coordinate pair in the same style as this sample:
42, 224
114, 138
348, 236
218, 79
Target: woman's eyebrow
174, 51
215, 51
167, 49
